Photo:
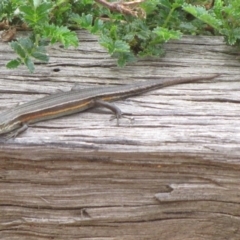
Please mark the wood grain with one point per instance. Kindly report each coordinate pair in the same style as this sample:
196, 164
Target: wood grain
171, 174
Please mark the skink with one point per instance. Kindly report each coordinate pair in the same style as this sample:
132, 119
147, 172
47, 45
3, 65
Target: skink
65, 103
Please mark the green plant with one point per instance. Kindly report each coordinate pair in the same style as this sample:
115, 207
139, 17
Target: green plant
128, 30
223, 17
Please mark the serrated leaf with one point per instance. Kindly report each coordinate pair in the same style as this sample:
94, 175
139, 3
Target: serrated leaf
218, 5
124, 58
149, 6
27, 10
202, 14
69, 39
177, 3
188, 26
40, 49
231, 35
18, 49
61, 34
84, 21
13, 63
42, 12
43, 8
41, 56
98, 26
113, 46
29, 63
166, 34
105, 41
152, 50
26, 44
36, 16
27, 50
129, 36
165, 3
121, 46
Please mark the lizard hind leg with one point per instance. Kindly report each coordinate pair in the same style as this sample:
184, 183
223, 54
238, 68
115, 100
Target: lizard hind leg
116, 111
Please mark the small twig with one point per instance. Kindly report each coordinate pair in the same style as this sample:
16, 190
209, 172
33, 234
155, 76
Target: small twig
133, 3
120, 6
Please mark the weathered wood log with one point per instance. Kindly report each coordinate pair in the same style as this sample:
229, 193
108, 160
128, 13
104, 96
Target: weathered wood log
171, 174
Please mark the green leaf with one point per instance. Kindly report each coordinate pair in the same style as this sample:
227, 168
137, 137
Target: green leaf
165, 34
29, 63
27, 10
43, 9
218, 7
106, 41
144, 34
165, 3
14, 63
41, 56
61, 34
177, 3
124, 58
121, 46
36, 16
152, 50
18, 49
188, 26
98, 26
7, 9
26, 44
114, 46
86, 21
149, 6
27, 50
233, 35
202, 14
